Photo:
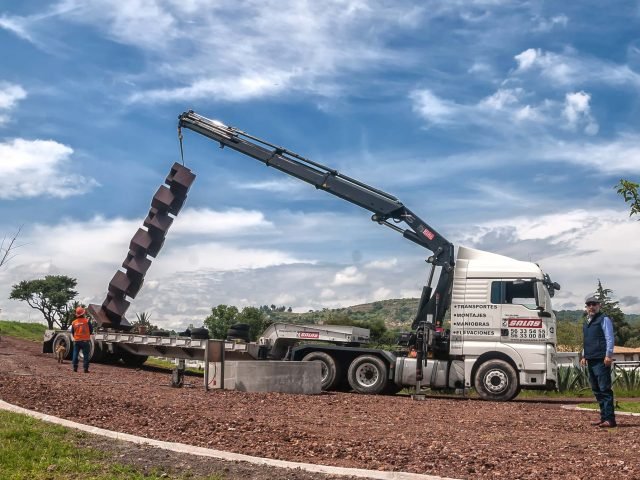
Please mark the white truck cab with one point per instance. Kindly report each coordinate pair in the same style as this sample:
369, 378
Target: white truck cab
501, 312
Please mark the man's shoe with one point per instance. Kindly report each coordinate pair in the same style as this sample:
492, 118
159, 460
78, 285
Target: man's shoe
86, 371
75, 369
597, 423
608, 424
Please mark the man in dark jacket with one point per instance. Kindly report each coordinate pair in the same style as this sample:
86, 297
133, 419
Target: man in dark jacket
598, 357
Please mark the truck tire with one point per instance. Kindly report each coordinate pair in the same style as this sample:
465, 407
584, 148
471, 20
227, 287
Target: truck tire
331, 372
241, 327
496, 380
368, 374
92, 349
199, 333
65, 340
243, 335
99, 353
132, 360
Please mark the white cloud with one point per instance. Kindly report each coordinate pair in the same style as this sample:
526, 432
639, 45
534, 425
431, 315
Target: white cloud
576, 247
616, 156
33, 168
383, 264
276, 186
542, 24
349, 276
504, 109
16, 25
432, 108
204, 221
569, 69
193, 48
10, 95
526, 59
577, 111
502, 98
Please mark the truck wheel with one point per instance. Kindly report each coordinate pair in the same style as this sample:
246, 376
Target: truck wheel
331, 372
65, 340
92, 349
496, 380
368, 374
98, 351
132, 360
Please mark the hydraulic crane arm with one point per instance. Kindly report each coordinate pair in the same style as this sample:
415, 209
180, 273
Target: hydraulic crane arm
387, 210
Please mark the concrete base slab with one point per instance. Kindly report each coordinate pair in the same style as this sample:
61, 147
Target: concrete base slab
273, 376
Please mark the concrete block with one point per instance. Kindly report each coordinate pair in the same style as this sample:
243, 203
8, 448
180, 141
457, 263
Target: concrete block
273, 376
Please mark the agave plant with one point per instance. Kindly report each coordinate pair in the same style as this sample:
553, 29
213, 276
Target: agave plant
573, 379
627, 379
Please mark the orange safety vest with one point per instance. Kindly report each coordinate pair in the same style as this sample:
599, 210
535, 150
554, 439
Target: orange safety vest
81, 332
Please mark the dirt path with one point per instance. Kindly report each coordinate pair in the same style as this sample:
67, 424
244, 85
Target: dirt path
455, 438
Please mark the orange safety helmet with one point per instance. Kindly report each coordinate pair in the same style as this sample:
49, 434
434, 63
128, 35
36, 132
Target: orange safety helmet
79, 311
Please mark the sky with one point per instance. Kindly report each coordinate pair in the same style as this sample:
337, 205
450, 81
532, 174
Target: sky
504, 124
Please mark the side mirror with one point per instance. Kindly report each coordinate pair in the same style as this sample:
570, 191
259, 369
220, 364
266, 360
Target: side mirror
544, 314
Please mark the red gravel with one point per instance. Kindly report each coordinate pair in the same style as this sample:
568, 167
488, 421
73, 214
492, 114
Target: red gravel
455, 438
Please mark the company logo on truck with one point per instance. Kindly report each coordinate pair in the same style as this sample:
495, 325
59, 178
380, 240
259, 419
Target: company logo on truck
308, 335
429, 234
525, 323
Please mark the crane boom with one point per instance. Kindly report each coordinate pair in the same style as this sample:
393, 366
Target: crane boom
387, 210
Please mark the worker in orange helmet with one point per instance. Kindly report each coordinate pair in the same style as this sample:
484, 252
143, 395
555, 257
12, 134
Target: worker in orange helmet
81, 329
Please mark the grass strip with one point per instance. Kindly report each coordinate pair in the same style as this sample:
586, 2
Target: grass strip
28, 331
631, 407
31, 449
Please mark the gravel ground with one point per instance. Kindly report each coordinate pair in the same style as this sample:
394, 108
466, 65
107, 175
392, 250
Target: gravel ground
466, 439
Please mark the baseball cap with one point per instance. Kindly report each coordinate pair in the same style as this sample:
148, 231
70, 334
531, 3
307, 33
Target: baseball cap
592, 297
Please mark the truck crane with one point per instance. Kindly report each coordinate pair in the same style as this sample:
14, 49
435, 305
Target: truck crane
503, 329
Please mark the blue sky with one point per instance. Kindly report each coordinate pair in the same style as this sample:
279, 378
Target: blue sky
503, 124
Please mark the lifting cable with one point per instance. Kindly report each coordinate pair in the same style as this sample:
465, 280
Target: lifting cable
181, 147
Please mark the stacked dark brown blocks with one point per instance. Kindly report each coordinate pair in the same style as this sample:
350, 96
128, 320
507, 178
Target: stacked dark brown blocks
146, 243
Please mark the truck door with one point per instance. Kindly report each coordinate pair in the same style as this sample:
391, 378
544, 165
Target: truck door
518, 301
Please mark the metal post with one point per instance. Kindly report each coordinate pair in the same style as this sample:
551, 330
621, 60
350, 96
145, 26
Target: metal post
206, 366
222, 367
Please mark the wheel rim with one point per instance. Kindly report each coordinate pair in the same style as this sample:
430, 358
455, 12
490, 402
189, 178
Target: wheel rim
496, 381
367, 374
325, 371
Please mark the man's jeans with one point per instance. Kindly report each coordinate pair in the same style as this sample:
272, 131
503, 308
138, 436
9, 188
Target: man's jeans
600, 380
86, 351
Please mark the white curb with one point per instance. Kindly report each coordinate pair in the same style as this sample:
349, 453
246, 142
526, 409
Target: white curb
220, 454
582, 409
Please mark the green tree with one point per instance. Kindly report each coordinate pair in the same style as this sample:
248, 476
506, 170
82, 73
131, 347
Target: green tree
256, 319
570, 334
221, 318
51, 296
376, 326
611, 308
629, 191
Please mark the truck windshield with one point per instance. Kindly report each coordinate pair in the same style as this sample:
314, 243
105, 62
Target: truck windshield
515, 292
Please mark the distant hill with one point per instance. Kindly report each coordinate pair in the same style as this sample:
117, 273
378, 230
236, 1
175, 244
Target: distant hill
397, 314
632, 319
